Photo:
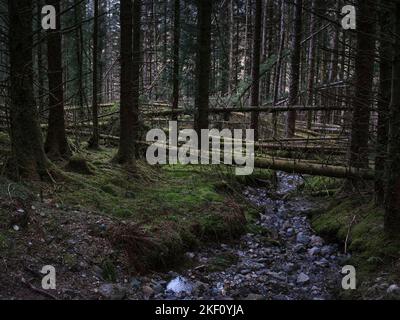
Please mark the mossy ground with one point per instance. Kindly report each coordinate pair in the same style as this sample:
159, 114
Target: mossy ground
356, 223
178, 207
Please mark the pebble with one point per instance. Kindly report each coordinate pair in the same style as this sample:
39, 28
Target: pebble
112, 291
303, 278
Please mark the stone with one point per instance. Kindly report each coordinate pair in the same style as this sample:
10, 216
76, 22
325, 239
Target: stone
314, 251
158, 288
302, 238
289, 232
112, 291
147, 291
190, 255
303, 278
289, 267
255, 297
316, 241
326, 250
393, 289
322, 263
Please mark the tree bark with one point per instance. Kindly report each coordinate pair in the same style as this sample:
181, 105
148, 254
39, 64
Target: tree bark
392, 198
130, 78
311, 62
56, 145
94, 141
255, 88
278, 69
203, 64
364, 67
29, 160
177, 39
385, 87
295, 69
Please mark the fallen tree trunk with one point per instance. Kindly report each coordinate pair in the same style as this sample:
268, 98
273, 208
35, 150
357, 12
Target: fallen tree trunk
302, 148
304, 167
287, 165
262, 109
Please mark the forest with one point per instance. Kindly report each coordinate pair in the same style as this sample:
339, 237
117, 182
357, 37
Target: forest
199, 150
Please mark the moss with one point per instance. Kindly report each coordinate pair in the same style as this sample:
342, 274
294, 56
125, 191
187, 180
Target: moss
222, 262
362, 222
79, 164
317, 183
70, 260
4, 139
180, 206
3, 242
15, 190
108, 270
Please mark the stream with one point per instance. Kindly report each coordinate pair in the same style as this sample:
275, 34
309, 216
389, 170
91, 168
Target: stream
290, 263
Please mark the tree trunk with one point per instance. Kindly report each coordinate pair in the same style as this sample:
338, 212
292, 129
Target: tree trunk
295, 69
130, 78
385, 87
177, 39
94, 141
56, 145
203, 64
278, 69
28, 158
41, 89
364, 67
231, 48
392, 198
79, 56
311, 62
255, 88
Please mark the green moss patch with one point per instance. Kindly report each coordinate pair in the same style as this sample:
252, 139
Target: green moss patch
178, 207
359, 221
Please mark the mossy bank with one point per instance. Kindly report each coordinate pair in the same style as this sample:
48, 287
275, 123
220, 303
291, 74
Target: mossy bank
356, 223
163, 212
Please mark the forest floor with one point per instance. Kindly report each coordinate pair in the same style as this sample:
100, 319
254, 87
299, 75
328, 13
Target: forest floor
113, 233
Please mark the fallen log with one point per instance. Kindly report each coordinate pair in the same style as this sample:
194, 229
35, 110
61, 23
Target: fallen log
262, 109
304, 167
302, 148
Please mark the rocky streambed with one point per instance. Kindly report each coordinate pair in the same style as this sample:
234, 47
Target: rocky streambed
284, 260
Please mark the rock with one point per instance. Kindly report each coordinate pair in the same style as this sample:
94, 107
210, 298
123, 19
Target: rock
326, 250
393, 289
303, 278
316, 241
255, 297
112, 291
298, 248
190, 255
289, 267
314, 251
322, 263
179, 285
289, 232
147, 291
302, 238
200, 287
245, 271
158, 288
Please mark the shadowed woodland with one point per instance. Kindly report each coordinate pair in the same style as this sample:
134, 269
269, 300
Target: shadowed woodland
76, 103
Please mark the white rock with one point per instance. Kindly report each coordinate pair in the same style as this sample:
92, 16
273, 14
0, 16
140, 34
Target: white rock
394, 288
303, 278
